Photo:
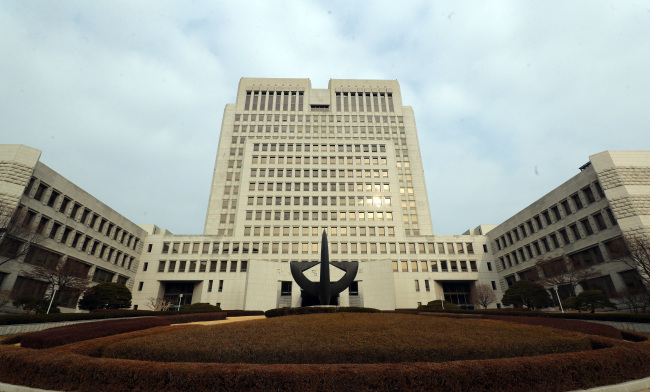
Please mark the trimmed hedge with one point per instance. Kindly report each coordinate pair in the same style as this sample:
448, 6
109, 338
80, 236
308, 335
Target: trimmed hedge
242, 313
604, 316
317, 309
63, 370
190, 318
78, 332
351, 338
568, 325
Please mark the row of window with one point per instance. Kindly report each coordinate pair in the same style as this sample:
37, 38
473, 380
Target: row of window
360, 216
555, 240
436, 266
312, 247
322, 187
305, 231
83, 215
319, 147
306, 130
274, 100
322, 118
332, 173
200, 266
553, 215
299, 160
364, 102
78, 240
370, 201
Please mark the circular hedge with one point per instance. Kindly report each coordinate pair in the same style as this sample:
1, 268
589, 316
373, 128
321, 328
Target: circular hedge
79, 366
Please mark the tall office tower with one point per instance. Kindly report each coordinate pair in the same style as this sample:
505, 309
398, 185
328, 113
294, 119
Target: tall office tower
345, 159
293, 161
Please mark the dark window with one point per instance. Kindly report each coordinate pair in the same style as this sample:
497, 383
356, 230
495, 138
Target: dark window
600, 221
587, 226
566, 207
52, 199
145, 266
489, 266
599, 189
589, 195
565, 236
494, 285
576, 201
575, 231
610, 215
547, 217
140, 286
354, 288
556, 213
285, 288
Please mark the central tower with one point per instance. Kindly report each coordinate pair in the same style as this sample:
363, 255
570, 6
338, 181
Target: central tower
293, 161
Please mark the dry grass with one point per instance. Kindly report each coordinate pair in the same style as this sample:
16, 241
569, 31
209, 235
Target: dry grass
347, 338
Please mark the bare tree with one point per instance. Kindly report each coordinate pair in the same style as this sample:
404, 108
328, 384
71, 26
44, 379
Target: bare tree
16, 234
5, 297
636, 300
158, 304
559, 272
67, 275
483, 295
635, 252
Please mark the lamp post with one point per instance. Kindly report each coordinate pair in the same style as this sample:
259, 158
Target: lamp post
55, 287
558, 298
180, 298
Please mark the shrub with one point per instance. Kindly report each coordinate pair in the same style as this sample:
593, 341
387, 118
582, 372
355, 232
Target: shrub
351, 338
317, 309
201, 306
242, 313
438, 305
78, 332
190, 318
37, 305
107, 295
569, 325
64, 370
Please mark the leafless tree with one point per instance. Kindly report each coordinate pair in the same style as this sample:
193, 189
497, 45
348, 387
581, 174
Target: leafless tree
16, 234
5, 297
66, 274
158, 304
636, 300
483, 295
635, 252
559, 272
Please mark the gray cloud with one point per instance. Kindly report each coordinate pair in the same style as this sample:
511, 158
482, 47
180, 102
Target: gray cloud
125, 99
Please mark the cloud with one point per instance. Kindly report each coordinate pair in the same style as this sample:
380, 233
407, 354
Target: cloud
125, 99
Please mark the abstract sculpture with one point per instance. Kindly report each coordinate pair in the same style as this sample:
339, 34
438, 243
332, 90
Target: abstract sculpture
324, 290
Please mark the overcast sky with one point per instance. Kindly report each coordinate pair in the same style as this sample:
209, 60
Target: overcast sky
125, 99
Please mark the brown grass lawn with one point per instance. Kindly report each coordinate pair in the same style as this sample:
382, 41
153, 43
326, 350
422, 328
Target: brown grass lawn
347, 338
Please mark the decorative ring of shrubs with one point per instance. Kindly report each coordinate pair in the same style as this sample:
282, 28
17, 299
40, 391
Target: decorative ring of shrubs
79, 366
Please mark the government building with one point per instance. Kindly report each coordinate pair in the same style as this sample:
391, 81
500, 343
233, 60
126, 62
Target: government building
294, 161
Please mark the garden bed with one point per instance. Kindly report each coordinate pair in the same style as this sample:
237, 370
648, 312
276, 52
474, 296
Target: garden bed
79, 366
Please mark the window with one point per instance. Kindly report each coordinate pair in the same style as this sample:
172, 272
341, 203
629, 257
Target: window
611, 217
489, 266
220, 286
589, 195
285, 288
210, 286
566, 207
575, 231
223, 267
556, 213
494, 285
587, 226
140, 286
576, 201
600, 222
417, 285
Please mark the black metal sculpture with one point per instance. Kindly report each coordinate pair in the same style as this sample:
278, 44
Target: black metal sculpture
324, 289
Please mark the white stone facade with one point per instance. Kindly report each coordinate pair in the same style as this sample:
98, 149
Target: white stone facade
293, 161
